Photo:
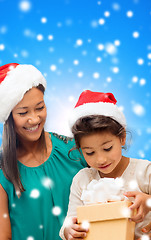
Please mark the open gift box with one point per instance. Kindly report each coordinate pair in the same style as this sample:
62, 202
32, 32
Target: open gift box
108, 221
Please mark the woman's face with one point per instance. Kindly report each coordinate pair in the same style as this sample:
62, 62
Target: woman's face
30, 115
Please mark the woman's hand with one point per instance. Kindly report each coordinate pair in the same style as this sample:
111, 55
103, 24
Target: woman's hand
142, 204
75, 231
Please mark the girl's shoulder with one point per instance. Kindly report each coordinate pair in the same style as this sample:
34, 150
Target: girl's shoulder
140, 163
86, 174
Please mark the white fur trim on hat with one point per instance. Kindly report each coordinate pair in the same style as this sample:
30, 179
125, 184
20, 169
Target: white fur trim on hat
16, 83
97, 108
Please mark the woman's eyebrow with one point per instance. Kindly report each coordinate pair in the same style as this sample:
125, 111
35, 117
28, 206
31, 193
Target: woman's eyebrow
27, 107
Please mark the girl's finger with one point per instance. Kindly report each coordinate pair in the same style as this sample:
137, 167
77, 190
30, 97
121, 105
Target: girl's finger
130, 194
147, 228
76, 234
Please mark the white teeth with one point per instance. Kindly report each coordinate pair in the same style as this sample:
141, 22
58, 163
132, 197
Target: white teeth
32, 128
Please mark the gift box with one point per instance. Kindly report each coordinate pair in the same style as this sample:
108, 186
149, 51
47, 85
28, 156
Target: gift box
107, 221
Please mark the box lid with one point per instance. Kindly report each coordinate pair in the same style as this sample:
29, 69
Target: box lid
104, 211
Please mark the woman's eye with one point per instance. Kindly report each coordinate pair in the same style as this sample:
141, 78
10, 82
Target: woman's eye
90, 153
22, 114
108, 149
40, 108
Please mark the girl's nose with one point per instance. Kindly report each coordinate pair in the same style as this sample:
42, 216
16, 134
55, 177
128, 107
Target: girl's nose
101, 159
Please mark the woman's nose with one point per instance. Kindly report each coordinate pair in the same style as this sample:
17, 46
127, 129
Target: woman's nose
33, 118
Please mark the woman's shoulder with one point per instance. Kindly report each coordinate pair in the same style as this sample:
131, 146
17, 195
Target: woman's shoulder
0, 158
63, 143
61, 138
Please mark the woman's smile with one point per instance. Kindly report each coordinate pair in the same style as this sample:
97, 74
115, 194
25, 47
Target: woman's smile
32, 129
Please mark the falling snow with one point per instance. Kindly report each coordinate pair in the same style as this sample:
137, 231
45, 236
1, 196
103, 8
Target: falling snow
138, 109
35, 193
25, 6
56, 211
85, 51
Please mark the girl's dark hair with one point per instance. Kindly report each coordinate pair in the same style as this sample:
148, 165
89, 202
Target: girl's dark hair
96, 123
10, 143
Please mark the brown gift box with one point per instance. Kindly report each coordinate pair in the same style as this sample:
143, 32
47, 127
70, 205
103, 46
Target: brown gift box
108, 221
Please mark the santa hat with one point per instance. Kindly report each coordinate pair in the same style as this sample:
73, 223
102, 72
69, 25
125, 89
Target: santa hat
15, 80
96, 103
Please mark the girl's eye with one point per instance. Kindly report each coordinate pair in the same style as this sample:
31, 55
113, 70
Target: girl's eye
108, 149
89, 154
40, 108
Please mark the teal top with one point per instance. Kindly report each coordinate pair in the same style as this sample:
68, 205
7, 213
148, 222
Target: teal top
39, 213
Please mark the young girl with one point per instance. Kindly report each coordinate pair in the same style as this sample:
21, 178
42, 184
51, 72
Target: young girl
36, 172
99, 129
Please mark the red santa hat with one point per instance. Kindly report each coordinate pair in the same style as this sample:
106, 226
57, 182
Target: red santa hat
96, 103
15, 80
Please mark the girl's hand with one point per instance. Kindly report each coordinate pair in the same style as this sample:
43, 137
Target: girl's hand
75, 231
146, 230
140, 204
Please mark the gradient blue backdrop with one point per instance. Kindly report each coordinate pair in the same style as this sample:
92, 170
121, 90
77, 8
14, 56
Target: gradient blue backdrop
78, 44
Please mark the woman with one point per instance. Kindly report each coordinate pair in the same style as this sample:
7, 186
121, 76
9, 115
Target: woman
36, 171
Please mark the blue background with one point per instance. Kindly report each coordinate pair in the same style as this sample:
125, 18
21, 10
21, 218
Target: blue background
108, 59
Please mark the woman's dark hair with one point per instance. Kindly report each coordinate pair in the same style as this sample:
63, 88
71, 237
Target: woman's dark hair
96, 123
10, 143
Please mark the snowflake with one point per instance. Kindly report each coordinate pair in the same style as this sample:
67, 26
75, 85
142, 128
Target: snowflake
115, 69
75, 62
134, 79
50, 37
30, 238
100, 47
133, 185
98, 59
71, 98
142, 81
116, 6
106, 13
117, 42
47, 182
79, 42
125, 212
101, 21
80, 74
56, 210
138, 109
40, 37
43, 19
109, 79
110, 48
85, 225
25, 6
148, 202
149, 55
96, 75
129, 14
135, 34
53, 68
145, 237
140, 61
2, 47
35, 193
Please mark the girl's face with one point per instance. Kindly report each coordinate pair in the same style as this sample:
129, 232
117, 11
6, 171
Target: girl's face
30, 115
103, 151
